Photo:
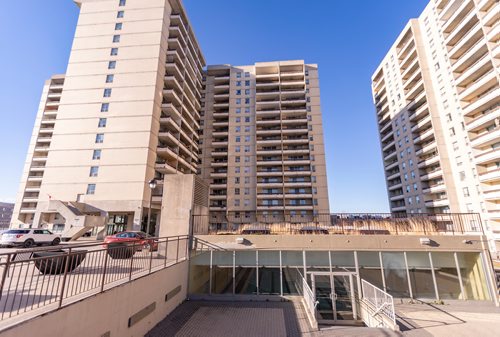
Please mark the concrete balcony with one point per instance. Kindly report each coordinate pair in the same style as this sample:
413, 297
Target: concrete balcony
35, 178
429, 161
297, 184
269, 196
423, 123
32, 189
490, 176
397, 197
269, 184
395, 186
492, 193
470, 57
217, 196
386, 147
217, 208
435, 189
437, 203
453, 15
277, 162
424, 136
398, 208
218, 164
297, 173
482, 102
489, 156
486, 139
480, 121
479, 86
269, 173
387, 136
412, 68
393, 176
27, 210
296, 141
391, 155
432, 175
472, 69
391, 165
426, 149
165, 168
470, 39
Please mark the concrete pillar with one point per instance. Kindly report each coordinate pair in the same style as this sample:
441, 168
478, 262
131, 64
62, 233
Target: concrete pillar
177, 204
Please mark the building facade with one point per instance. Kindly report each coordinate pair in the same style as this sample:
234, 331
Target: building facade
126, 111
6, 210
437, 98
262, 142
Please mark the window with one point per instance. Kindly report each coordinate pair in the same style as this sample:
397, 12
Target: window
107, 92
247, 139
247, 202
238, 101
409, 200
96, 155
247, 74
247, 169
466, 192
238, 110
238, 74
238, 83
406, 177
91, 189
237, 169
237, 191
122, 2
94, 171
247, 119
307, 81
99, 138
247, 100
462, 176
247, 190
237, 159
102, 123
247, 110
415, 186
238, 129
452, 131
238, 139
120, 14
104, 107
238, 92
236, 180
236, 202
413, 174
118, 26
238, 120
237, 149
114, 51
417, 199
247, 148
407, 188
247, 181
247, 83
411, 162
110, 78
247, 129
247, 91
116, 38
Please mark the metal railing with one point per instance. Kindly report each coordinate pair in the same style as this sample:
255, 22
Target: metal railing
309, 299
39, 280
381, 302
246, 222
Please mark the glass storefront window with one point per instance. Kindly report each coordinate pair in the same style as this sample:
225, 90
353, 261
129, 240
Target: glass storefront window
342, 261
421, 281
473, 278
446, 273
293, 265
222, 272
269, 272
369, 268
245, 276
317, 261
199, 274
396, 280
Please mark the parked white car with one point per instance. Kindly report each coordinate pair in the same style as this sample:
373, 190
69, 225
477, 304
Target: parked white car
28, 238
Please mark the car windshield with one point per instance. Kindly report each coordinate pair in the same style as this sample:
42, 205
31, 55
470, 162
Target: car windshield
125, 235
17, 231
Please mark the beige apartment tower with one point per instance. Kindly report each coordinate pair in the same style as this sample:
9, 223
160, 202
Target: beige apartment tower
437, 98
126, 111
262, 143
129, 110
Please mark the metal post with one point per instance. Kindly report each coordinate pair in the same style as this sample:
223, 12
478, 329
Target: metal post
382, 270
434, 277
166, 252
459, 274
63, 286
281, 275
408, 275
358, 277
234, 271
149, 211
177, 256
131, 262
150, 258
210, 277
257, 270
104, 271
4, 274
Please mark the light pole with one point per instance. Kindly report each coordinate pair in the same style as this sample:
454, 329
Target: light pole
152, 186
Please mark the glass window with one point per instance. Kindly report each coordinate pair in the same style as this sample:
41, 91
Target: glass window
90, 188
120, 14
222, 272
317, 261
112, 65
472, 273
104, 107
99, 138
269, 272
396, 279
122, 3
369, 268
107, 92
96, 155
102, 123
293, 266
446, 273
110, 78
116, 38
118, 26
94, 171
245, 264
421, 281
114, 51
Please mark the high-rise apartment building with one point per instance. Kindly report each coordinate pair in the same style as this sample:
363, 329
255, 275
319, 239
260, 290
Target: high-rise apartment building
262, 143
437, 98
126, 111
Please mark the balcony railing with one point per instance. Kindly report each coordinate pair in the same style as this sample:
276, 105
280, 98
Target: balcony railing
261, 222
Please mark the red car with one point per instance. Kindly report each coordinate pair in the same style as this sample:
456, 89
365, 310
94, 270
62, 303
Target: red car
139, 239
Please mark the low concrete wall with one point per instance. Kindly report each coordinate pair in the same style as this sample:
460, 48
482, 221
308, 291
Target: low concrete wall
141, 303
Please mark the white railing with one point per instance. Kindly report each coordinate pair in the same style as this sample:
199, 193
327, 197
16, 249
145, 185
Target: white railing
381, 302
308, 296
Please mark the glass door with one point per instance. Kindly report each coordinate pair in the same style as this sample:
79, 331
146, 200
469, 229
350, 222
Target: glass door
335, 297
322, 287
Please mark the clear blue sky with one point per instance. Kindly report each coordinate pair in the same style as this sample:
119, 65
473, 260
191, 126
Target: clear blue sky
347, 39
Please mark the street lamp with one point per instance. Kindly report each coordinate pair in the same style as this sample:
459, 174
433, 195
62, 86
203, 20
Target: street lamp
152, 186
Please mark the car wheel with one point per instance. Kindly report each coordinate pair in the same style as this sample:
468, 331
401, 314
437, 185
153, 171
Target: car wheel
28, 243
56, 241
